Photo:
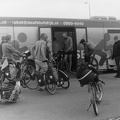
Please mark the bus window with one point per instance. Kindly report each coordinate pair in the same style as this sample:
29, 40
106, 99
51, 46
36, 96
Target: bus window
47, 31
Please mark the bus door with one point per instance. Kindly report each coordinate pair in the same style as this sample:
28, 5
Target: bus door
81, 33
57, 33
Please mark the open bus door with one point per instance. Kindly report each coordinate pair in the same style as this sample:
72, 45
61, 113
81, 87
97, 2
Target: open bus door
57, 32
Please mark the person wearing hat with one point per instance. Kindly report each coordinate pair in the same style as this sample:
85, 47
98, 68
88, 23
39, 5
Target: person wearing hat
116, 55
88, 49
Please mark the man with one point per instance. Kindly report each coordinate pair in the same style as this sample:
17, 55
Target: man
88, 49
40, 53
68, 48
39, 49
116, 55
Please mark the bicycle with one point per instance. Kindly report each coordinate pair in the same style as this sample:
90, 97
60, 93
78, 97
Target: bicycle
47, 79
27, 70
62, 64
63, 78
97, 95
28, 75
88, 75
9, 84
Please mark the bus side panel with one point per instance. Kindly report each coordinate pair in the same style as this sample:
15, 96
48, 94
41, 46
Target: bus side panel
25, 37
96, 39
102, 41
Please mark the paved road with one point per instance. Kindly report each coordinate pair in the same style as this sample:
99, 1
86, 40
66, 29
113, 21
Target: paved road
70, 104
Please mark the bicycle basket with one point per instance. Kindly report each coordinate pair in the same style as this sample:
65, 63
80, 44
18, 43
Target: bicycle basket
86, 76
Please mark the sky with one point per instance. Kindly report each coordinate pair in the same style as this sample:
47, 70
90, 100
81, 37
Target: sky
78, 9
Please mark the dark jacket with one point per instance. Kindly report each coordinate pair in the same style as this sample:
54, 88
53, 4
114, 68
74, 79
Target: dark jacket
116, 50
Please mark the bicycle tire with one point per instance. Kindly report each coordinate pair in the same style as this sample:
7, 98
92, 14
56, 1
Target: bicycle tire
99, 93
47, 82
66, 83
63, 65
28, 81
22, 83
53, 90
95, 107
94, 100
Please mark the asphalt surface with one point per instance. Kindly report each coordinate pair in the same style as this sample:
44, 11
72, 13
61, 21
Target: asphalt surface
70, 104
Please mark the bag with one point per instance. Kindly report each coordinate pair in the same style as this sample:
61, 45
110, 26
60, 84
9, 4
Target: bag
13, 70
49, 76
85, 75
8, 85
39, 78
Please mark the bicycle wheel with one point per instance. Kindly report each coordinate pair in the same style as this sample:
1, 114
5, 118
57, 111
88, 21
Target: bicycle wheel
99, 93
66, 84
94, 101
95, 107
22, 83
28, 81
50, 87
63, 65
64, 79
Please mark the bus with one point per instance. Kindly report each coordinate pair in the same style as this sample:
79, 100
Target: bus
25, 31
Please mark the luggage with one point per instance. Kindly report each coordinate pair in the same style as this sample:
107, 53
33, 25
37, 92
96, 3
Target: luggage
49, 76
85, 75
39, 78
